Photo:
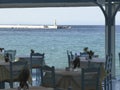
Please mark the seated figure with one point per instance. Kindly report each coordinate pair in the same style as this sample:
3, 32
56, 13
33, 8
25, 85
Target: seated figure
23, 78
76, 62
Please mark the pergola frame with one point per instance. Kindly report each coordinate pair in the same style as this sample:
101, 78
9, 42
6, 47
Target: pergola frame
108, 7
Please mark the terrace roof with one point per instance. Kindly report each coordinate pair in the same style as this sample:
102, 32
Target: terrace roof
110, 31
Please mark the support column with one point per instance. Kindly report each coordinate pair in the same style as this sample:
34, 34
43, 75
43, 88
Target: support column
110, 35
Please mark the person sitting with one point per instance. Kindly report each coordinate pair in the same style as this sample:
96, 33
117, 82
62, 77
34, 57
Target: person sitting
23, 78
76, 62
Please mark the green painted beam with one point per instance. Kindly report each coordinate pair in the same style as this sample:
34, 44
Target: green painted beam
48, 3
45, 3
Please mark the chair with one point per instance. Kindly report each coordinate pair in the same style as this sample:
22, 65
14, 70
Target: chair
15, 69
11, 53
48, 78
119, 58
70, 58
1, 54
90, 79
36, 60
69, 61
46, 81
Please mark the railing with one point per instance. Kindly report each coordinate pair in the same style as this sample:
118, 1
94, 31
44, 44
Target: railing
108, 68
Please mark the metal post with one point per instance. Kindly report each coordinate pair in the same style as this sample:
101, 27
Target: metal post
110, 34
109, 13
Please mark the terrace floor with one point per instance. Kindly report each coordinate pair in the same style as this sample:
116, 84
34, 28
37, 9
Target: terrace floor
115, 82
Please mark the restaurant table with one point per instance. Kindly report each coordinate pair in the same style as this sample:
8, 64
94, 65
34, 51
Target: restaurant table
27, 58
94, 61
5, 72
72, 78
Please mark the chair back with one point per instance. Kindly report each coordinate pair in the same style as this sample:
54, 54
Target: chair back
71, 57
36, 60
119, 58
49, 80
90, 79
11, 54
15, 69
69, 61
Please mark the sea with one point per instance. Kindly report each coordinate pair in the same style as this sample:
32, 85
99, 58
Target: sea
55, 42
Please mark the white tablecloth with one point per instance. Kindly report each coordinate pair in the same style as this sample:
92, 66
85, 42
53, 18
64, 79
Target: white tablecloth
5, 71
94, 61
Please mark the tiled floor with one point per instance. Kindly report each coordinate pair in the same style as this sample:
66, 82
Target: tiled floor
115, 83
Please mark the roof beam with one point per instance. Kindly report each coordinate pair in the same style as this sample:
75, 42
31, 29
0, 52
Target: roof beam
45, 3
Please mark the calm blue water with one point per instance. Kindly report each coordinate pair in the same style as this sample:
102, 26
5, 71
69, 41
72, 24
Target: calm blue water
55, 43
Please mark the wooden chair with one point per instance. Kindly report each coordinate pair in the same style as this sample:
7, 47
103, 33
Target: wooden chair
49, 80
46, 82
119, 58
70, 58
90, 79
36, 60
11, 54
15, 70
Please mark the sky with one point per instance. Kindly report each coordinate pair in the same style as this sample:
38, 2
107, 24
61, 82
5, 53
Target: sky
62, 15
